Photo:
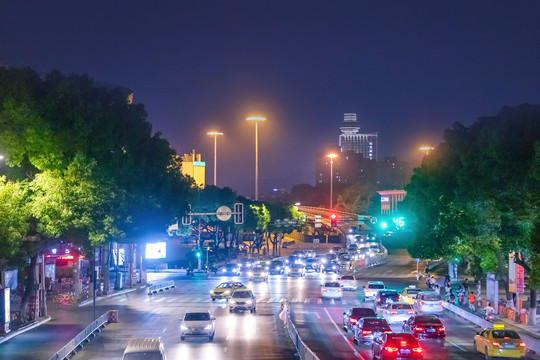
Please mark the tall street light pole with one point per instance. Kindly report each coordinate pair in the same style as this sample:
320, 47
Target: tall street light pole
256, 119
215, 135
331, 156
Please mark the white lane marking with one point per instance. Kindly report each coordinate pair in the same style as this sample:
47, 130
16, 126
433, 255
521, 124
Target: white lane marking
319, 301
343, 336
122, 299
158, 300
318, 317
269, 301
344, 302
306, 301
147, 299
456, 345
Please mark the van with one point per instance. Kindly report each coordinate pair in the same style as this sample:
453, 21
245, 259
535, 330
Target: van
144, 349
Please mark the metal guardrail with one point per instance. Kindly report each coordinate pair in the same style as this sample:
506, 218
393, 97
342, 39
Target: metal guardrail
163, 285
304, 352
65, 351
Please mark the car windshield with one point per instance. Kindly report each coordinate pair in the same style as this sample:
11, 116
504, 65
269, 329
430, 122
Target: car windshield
375, 323
332, 284
230, 266
428, 319
275, 263
363, 312
413, 291
431, 297
258, 268
143, 355
297, 266
311, 261
225, 286
347, 277
202, 316
501, 334
241, 294
401, 306
376, 286
399, 339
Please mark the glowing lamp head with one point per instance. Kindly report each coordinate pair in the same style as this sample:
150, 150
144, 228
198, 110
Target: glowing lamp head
256, 118
214, 133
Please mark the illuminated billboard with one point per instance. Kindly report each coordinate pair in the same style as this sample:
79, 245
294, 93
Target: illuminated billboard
156, 250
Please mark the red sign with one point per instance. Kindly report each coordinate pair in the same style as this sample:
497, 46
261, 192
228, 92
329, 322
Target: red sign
520, 279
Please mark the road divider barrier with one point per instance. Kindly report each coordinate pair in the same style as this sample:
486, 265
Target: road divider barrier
532, 344
161, 286
304, 352
81, 337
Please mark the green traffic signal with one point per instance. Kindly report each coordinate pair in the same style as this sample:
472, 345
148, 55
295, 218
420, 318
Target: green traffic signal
384, 225
198, 254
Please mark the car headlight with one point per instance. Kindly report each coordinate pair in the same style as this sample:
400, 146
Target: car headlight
263, 274
248, 302
278, 267
208, 327
250, 273
232, 302
211, 291
227, 292
267, 262
183, 327
334, 267
248, 265
224, 270
323, 261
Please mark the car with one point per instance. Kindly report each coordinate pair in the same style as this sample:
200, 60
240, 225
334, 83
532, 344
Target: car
312, 265
385, 297
198, 324
294, 259
425, 327
351, 317
371, 288
409, 293
230, 270
396, 346
348, 282
225, 289
276, 267
344, 260
369, 328
331, 266
397, 312
331, 290
335, 249
296, 270
309, 254
246, 263
242, 300
353, 248
428, 303
258, 273
499, 342
263, 260
151, 349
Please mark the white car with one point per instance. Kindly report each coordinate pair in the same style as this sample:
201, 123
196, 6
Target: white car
151, 349
198, 324
397, 312
331, 290
348, 282
258, 273
371, 288
428, 303
242, 300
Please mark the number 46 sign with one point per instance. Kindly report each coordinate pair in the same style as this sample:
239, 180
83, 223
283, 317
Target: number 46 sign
399, 221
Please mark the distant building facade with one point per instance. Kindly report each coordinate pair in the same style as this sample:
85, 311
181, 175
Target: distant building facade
351, 139
348, 168
193, 167
393, 173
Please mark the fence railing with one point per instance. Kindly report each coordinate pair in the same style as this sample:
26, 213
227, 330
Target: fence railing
65, 351
304, 352
160, 286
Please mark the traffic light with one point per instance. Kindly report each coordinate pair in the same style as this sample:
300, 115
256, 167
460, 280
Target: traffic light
384, 225
198, 254
333, 220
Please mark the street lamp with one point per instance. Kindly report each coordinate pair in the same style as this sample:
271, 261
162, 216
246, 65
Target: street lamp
215, 135
427, 149
256, 119
331, 156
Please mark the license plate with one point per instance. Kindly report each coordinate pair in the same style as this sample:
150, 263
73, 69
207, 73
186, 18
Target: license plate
509, 346
405, 351
430, 330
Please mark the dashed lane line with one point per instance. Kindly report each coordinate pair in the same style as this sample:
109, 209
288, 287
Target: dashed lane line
343, 336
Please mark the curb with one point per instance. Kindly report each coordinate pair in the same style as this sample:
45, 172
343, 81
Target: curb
24, 329
90, 301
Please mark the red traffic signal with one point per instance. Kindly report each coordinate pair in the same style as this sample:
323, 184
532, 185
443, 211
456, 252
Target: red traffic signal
333, 220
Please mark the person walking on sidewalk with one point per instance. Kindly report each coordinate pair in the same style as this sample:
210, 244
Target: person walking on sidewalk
472, 302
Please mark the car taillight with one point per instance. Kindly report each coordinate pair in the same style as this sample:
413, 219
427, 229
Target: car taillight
324, 289
366, 332
418, 349
391, 349
393, 312
378, 299
522, 344
403, 343
339, 290
441, 329
440, 303
494, 343
418, 328
353, 321
388, 332
421, 303
411, 312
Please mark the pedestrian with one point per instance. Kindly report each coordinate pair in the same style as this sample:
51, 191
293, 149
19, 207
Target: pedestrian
452, 298
466, 284
447, 290
437, 288
472, 301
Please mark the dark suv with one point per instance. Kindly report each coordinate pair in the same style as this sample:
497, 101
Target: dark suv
351, 317
397, 346
425, 327
385, 297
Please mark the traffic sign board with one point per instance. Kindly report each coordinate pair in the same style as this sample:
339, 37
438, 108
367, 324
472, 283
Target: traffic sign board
224, 213
373, 220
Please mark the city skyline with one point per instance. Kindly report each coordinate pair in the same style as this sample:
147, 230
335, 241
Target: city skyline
408, 70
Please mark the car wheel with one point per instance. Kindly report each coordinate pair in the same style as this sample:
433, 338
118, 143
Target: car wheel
182, 338
345, 328
487, 354
230, 310
211, 338
213, 299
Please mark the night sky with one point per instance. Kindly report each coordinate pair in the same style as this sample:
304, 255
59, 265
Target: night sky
409, 69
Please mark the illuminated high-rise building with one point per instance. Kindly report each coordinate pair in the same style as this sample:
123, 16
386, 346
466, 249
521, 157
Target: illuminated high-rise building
351, 139
193, 167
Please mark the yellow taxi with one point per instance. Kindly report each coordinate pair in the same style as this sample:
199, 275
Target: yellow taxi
225, 289
499, 342
408, 294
